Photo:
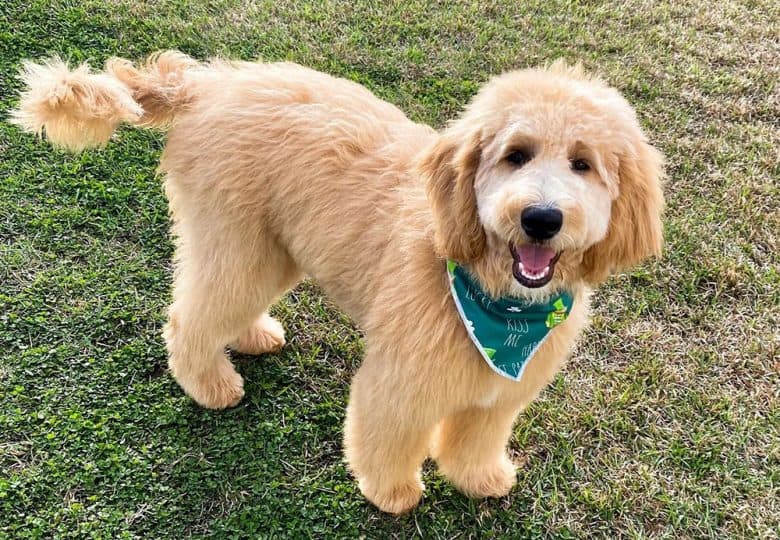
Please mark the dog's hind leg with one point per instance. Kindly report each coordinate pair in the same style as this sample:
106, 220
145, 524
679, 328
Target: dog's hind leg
222, 282
263, 336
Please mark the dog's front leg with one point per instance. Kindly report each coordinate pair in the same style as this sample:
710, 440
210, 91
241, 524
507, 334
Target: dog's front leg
470, 449
387, 435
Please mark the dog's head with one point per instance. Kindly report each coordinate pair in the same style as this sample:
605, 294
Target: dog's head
546, 180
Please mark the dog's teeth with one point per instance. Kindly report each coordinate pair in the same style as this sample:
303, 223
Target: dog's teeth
532, 275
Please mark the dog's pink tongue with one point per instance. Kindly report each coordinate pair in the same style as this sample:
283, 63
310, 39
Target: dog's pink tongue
535, 258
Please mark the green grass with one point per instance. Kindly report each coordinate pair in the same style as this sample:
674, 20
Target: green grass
665, 424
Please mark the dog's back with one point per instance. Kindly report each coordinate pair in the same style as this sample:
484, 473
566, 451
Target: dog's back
248, 142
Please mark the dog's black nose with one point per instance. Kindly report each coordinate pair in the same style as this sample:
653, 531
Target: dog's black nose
541, 223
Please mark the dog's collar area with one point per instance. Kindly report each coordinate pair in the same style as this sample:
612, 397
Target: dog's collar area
506, 331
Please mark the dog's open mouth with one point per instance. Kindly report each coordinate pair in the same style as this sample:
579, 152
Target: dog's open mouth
533, 265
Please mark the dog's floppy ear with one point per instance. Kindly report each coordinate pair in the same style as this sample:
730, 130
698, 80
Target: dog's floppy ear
635, 231
449, 168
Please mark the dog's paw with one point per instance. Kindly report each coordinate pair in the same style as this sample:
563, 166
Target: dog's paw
218, 388
395, 500
486, 480
264, 336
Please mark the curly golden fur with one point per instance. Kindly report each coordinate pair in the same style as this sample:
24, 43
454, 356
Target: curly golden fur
275, 171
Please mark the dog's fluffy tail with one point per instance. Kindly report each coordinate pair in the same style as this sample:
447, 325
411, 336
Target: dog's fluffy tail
78, 109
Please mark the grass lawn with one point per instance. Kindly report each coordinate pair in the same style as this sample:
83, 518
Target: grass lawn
666, 423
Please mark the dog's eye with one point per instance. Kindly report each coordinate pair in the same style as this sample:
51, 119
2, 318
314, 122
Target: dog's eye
519, 158
580, 165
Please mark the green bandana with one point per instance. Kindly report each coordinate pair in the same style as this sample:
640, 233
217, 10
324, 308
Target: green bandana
506, 331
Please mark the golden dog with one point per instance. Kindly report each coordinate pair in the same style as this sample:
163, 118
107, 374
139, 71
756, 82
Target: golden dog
274, 171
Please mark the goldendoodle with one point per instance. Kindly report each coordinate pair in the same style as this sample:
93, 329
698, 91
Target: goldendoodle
467, 256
